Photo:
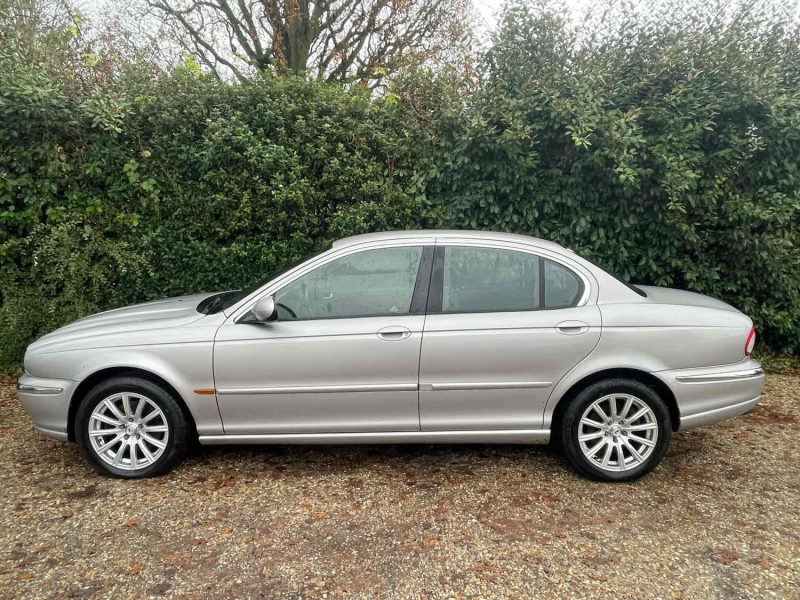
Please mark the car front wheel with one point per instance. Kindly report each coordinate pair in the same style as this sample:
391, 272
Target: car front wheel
130, 427
616, 430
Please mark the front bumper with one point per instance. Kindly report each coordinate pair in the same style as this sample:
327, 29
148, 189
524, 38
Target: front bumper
47, 402
711, 394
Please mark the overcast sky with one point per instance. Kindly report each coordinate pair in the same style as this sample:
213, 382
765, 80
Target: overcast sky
486, 9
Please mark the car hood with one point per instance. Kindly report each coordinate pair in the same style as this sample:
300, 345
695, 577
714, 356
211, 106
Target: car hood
158, 315
661, 295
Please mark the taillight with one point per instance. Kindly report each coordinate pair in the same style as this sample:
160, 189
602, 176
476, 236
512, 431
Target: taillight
751, 342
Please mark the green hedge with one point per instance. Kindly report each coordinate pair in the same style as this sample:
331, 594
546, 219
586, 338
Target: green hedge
664, 148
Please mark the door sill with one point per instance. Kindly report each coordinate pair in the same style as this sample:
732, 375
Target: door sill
501, 436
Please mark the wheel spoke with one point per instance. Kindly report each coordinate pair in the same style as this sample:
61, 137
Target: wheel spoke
126, 405
108, 445
599, 411
118, 455
133, 445
636, 456
591, 436
114, 410
612, 402
626, 409
151, 440
105, 419
591, 423
139, 407
620, 458
593, 450
607, 455
102, 432
151, 416
147, 454
638, 440
639, 414
643, 427
155, 429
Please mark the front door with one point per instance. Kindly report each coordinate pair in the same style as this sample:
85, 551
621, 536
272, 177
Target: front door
343, 355
503, 327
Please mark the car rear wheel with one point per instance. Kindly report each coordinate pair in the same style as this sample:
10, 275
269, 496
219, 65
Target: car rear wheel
130, 427
616, 430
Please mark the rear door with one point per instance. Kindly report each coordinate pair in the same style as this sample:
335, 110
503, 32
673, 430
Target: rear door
503, 326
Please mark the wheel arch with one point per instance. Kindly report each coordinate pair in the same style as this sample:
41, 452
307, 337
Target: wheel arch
648, 379
107, 373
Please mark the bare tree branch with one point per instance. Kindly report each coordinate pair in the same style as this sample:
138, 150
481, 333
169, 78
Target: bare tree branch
335, 40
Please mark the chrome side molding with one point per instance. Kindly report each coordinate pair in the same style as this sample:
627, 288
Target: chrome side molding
504, 436
386, 387
320, 389
728, 376
488, 385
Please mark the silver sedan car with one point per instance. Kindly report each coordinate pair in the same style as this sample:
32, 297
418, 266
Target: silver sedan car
401, 337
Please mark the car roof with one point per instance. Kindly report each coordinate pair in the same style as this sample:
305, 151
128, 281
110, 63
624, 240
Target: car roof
444, 234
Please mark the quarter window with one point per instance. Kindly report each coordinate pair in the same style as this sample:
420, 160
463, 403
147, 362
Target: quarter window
562, 287
369, 283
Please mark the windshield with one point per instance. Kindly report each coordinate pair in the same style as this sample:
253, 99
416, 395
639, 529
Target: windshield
219, 302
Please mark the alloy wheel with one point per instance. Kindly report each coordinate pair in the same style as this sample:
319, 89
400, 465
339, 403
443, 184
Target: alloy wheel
128, 431
618, 432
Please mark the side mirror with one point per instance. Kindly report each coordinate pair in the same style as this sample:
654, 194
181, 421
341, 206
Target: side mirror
262, 311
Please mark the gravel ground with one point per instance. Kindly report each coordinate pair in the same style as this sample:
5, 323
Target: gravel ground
718, 518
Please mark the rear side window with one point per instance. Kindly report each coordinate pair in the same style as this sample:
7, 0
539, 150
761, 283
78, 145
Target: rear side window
489, 280
476, 279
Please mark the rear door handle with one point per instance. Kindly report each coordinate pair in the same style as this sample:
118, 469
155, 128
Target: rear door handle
393, 333
572, 327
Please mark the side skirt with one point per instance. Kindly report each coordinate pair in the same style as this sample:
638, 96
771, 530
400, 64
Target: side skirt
505, 436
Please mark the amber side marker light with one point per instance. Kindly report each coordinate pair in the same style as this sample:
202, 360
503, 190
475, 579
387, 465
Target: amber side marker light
205, 392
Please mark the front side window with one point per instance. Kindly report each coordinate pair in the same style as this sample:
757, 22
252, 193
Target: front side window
478, 279
369, 283
489, 280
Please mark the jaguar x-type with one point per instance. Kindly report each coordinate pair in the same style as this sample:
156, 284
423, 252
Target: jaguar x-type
401, 337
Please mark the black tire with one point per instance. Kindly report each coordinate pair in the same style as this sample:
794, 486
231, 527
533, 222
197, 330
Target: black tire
177, 437
570, 427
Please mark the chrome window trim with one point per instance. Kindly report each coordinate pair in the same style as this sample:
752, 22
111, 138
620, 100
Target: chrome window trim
538, 251
272, 287
237, 311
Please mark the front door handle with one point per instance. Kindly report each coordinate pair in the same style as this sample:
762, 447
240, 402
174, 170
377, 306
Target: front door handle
393, 333
572, 327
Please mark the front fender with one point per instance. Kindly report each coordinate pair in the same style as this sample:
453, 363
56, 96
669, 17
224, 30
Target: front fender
186, 368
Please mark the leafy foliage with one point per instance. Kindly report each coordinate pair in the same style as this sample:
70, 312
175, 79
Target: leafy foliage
661, 144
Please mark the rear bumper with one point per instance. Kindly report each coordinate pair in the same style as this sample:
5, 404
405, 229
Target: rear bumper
711, 394
47, 402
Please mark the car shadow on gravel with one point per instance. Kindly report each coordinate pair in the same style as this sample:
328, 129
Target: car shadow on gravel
338, 460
